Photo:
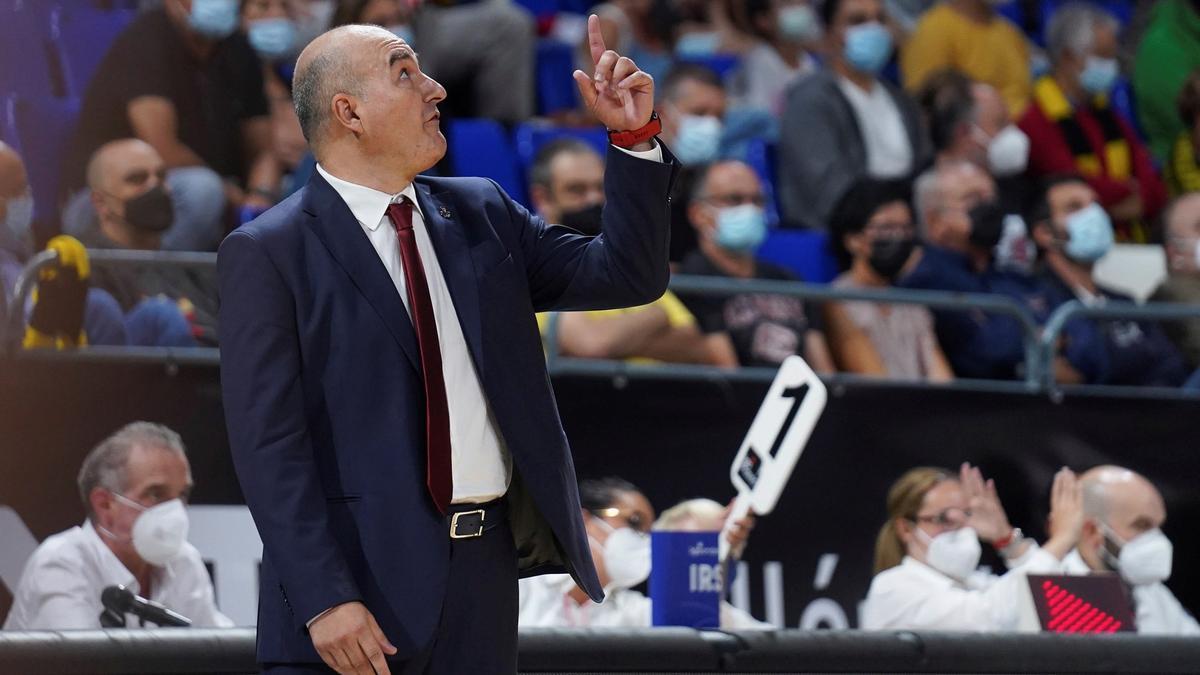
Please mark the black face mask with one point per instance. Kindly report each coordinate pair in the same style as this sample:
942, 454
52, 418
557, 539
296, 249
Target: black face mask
987, 224
151, 211
585, 220
889, 255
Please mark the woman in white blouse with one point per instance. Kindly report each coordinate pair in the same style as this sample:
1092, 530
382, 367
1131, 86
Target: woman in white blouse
927, 553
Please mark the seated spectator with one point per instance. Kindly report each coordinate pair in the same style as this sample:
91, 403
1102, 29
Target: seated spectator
927, 553
692, 110
1182, 224
783, 34
960, 227
1073, 231
183, 79
1168, 50
1073, 128
1182, 169
971, 36
968, 122
618, 518
270, 26
483, 52
726, 210
165, 307
134, 487
873, 236
1124, 514
65, 307
844, 123
567, 187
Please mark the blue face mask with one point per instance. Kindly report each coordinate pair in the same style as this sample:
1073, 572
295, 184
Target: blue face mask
868, 47
1099, 75
698, 44
272, 38
698, 140
16, 235
741, 229
799, 23
214, 19
1090, 234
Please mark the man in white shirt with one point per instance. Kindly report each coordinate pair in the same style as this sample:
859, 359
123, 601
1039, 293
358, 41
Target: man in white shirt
133, 485
1124, 513
618, 518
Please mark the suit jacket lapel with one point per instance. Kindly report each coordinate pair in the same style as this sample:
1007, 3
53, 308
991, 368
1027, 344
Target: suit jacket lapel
340, 232
454, 256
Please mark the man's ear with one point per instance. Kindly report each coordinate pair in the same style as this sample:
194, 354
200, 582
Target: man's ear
101, 501
345, 113
540, 197
1043, 236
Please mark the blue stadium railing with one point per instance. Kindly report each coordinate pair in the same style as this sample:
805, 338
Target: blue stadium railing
1040, 341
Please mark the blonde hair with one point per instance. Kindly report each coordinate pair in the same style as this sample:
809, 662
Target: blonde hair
904, 499
693, 509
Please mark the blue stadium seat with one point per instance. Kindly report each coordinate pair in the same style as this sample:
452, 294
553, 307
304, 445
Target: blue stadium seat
761, 157
529, 137
556, 89
540, 8
805, 252
25, 66
81, 37
43, 127
480, 147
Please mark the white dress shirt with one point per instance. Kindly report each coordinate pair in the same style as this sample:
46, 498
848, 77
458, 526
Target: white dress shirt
914, 596
1157, 610
61, 585
889, 150
481, 467
544, 603
480, 464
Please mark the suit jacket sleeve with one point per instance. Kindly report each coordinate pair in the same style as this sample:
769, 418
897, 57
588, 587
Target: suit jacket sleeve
268, 431
626, 264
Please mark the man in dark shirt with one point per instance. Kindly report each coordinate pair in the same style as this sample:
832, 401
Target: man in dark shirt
726, 210
183, 80
161, 306
1073, 231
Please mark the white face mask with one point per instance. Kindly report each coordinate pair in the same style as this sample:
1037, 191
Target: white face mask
954, 553
18, 218
626, 556
1008, 152
1145, 559
159, 532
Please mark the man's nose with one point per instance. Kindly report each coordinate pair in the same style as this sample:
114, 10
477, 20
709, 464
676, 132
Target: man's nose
435, 92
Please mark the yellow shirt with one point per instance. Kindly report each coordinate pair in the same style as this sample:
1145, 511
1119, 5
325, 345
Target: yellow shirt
677, 316
995, 53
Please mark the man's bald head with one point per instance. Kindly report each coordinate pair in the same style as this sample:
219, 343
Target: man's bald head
13, 180
1108, 489
329, 65
110, 161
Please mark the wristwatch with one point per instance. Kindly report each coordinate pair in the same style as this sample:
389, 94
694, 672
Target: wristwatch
628, 139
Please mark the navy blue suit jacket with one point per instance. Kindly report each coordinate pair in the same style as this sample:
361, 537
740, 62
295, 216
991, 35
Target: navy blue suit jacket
324, 401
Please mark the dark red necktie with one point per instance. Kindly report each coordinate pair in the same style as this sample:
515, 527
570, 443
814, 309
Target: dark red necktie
438, 477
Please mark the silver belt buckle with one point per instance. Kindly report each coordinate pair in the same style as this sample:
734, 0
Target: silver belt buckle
470, 535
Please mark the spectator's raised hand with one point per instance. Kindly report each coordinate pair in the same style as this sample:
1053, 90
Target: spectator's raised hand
987, 514
737, 533
619, 95
1066, 513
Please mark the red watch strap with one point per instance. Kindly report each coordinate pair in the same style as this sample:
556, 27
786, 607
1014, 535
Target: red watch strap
628, 139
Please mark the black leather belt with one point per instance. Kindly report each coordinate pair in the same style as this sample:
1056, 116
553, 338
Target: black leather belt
467, 521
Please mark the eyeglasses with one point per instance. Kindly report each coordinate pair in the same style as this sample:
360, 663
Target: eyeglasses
951, 517
736, 199
892, 230
634, 521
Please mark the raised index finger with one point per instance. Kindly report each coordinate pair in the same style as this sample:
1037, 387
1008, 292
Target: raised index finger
595, 39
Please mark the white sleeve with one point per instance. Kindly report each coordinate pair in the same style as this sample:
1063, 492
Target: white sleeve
57, 596
201, 606
653, 154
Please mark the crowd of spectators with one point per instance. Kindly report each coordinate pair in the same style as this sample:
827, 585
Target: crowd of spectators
961, 145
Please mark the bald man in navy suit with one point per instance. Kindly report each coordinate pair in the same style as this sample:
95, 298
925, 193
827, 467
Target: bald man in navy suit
391, 421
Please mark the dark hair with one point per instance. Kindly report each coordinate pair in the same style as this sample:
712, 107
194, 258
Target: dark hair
1040, 210
829, 10
947, 103
745, 15
683, 72
600, 493
347, 12
539, 171
857, 206
1189, 100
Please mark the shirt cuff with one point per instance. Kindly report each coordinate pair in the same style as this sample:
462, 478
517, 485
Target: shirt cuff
314, 619
653, 154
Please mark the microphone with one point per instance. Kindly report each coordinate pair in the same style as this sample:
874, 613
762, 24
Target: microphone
120, 601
